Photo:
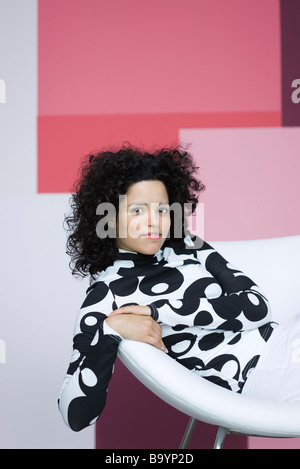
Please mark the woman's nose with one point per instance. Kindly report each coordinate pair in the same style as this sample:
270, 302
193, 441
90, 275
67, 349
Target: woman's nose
153, 219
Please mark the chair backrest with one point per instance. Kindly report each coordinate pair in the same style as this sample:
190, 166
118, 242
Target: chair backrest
274, 265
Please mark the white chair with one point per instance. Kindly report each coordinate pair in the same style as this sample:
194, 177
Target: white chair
274, 264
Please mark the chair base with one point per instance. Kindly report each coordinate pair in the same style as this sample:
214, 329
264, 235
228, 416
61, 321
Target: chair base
219, 441
220, 438
188, 433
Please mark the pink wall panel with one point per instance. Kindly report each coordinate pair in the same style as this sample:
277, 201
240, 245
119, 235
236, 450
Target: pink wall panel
139, 71
108, 57
154, 73
64, 140
252, 181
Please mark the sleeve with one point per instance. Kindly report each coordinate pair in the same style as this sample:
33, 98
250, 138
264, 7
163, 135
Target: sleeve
239, 305
83, 393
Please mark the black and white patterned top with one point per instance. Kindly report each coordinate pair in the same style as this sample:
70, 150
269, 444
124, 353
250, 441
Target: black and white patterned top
215, 321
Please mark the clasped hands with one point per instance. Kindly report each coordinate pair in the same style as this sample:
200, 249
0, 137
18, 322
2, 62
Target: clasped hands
135, 323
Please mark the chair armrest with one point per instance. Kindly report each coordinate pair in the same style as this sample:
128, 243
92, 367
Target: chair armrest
205, 401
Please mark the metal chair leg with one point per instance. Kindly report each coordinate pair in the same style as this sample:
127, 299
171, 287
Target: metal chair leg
220, 438
188, 433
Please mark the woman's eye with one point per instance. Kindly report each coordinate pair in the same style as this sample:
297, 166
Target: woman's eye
136, 211
164, 210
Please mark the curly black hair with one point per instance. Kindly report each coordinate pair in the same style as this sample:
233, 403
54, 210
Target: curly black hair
107, 174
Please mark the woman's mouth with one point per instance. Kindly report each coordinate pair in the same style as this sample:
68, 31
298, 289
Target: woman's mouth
152, 235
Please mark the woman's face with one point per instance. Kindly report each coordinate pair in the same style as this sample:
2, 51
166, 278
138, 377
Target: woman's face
144, 218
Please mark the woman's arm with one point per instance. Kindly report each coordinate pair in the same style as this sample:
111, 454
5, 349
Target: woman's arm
95, 346
83, 393
135, 326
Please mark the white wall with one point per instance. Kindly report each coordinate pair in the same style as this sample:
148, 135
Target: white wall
39, 297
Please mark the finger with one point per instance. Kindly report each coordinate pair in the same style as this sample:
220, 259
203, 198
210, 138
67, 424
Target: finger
158, 344
157, 339
122, 310
133, 309
116, 312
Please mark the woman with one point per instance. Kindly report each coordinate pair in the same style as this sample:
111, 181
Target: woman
152, 281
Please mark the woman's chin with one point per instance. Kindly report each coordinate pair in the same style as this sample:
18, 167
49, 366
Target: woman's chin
151, 246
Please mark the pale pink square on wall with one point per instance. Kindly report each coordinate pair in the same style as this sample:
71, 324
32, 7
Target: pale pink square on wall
252, 181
